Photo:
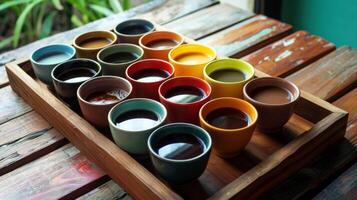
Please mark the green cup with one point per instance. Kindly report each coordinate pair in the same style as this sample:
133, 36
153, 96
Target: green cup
116, 58
173, 170
134, 139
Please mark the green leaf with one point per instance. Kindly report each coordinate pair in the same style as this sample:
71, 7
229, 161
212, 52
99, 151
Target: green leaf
8, 4
76, 21
126, 4
5, 42
47, 25
21, 20
115, 5
57, 4
101, 10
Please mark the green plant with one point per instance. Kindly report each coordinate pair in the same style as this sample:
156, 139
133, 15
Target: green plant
27, 20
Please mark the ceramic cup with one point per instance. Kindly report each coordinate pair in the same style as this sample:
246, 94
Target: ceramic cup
190, 59
90, 43
69, 75
158, 44
147, 75
133, 139
179, 171
228, 76
98, 95
228, 142
44, 59
116, 58
183, 98
131, 30
271, 96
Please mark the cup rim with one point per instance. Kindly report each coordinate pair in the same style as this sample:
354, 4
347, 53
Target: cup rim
203, 120
228, 83
163, 119
208, 95
120, 45
171, 59
146, 60
158, 32
135, 35
207, 149
72, 60
73, 53
246, 95
91, 32
103, 77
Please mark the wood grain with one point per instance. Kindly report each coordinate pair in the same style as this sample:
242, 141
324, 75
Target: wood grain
108, 191
208, 20
331, 76
290, 54
62, 173
11, 105
247, 36
349, 103
24, 139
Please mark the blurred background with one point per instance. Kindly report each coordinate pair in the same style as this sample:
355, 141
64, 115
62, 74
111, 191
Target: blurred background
24, 21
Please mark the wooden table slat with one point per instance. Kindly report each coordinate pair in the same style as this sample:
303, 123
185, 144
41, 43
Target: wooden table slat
290, 54
108, 191
208, 20
62, 173
247, 36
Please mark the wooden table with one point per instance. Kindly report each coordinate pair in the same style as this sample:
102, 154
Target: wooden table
38, 162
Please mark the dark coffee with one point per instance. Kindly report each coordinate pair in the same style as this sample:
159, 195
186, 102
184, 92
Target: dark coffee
137, 120
150, 75
107, 97
271, 95
228, 75
121, 57
76, 75
228, 118
179, 146
134, 29
162, 44
185, 94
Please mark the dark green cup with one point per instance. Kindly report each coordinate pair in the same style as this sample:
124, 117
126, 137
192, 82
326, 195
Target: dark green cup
183, 170
135, 141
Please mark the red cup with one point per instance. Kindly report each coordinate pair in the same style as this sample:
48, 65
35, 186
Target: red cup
184, 112
148, 89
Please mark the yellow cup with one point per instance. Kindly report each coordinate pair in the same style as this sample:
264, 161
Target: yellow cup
229, 142
190, 59
228, 76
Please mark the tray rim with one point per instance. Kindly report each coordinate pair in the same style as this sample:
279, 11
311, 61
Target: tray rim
329, 126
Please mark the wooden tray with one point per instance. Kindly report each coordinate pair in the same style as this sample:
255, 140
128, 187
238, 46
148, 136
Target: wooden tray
266, 161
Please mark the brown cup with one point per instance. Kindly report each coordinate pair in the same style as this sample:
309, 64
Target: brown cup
272, 113
97, 114
89, 44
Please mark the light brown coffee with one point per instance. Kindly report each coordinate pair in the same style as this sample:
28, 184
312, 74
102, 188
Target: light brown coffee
272, 95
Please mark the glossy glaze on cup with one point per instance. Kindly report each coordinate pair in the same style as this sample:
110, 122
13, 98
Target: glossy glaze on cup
43, 69
229, 142
67, 90
148, 89
91, 53
272, 116
180, 171
118, 69
184, 112
97, 114
132, 38
228, 89
200, 56
135, 142
159, 53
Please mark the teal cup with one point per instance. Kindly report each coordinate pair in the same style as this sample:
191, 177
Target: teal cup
132, 121
116, 58
180, 151
44, 59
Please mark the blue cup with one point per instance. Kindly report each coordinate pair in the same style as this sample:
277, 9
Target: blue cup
44, 59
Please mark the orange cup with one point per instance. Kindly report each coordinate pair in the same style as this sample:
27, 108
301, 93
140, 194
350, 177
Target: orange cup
228, 143
158, 44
